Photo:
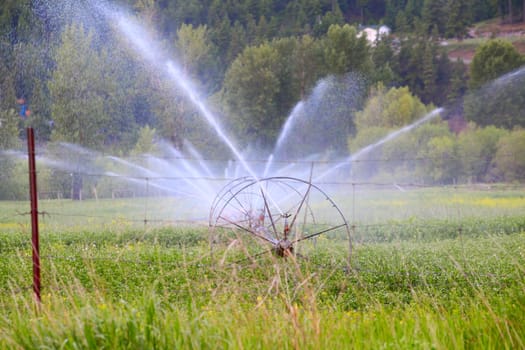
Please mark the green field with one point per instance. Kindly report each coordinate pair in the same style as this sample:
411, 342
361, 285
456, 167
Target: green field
431, 268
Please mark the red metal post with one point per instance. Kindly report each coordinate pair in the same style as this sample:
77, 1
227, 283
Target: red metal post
34, 212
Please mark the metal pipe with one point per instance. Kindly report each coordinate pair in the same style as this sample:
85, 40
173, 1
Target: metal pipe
34, 213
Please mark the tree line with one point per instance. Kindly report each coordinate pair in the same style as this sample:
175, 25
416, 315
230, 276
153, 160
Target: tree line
66, 71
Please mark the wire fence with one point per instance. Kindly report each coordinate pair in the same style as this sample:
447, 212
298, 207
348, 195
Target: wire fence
61, 215
135, 196
134, 201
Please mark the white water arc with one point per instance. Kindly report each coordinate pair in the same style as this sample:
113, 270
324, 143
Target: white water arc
299, 110
144, 45
393, 135
296, 112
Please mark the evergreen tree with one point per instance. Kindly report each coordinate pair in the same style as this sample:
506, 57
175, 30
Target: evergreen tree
220, 37
458, 82
384, 62
433, 15
17, 22
413, 10
237, 42
457, 19
401, 23
333, 17
429, 73
392, 9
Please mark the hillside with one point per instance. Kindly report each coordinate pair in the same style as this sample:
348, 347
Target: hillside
480, 32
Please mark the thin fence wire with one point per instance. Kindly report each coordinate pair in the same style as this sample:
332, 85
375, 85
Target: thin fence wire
144, 199
67, 155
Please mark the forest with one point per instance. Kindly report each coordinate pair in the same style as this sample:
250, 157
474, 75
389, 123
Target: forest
66, 72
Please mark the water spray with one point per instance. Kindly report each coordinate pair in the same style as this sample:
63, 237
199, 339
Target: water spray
393, 135
143, 45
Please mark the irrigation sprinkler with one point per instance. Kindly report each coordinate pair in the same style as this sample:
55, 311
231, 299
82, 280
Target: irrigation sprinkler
242, 212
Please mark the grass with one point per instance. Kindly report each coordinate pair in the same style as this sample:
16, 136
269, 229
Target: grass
361, 205
104, 293
419, 279
466, 48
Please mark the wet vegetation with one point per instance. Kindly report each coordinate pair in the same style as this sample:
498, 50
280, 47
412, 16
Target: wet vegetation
124, 265
455, 281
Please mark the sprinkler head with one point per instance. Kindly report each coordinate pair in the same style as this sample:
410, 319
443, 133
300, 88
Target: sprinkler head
286, 230
283, 248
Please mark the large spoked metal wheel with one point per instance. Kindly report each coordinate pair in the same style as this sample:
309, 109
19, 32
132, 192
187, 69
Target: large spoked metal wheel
285, 215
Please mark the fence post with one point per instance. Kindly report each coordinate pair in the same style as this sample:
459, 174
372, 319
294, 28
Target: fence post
146, 204
34, 213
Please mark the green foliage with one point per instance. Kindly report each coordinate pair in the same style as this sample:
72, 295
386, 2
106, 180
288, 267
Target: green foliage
171, 109
433, 15
251, 89
427, 154
365, 137
78, 92
422, 66
330, 18
9, 120
345, 51
433, 230
496, 98
499, 103
93, 92
450, 18
109, 291
442, 165
390, 109
458, 81
383, 57
510, 156
493, 59
477, 149
384, 112
13, 179
146, 142
458, 18
81, 77
17, 20
194, 51
31, 69
429, 73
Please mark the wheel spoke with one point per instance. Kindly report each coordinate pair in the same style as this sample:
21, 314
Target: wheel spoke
248, 230
300, 206
319, 233
267, 209
250, 206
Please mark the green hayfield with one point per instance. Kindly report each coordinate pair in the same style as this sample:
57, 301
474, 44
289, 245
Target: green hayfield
360, 205
431, 268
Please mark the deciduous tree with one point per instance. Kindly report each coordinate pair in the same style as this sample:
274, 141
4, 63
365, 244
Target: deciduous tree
476, 149
390, 109
251, 88
510, 156
496, 98
493, 59
345, 51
